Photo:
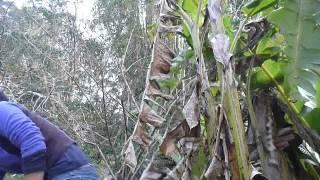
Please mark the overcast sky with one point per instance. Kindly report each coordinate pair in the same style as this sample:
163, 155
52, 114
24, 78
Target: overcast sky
84, 7
84, 13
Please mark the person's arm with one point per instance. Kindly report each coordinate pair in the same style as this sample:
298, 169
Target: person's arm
8, 161
2, 174
25, 135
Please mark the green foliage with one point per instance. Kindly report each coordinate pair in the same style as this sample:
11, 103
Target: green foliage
199, 163
214, 90
270, 46
311, 168
318, 93
313, 119
228, 25
180, 61
183, 57
151, 31
297, 21
255, 6
261, 77
170, 83
14, 177
191, 8
189, 14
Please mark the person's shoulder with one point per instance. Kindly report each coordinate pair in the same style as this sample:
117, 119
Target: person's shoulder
6, 109
10, 110
4, 103
7, 105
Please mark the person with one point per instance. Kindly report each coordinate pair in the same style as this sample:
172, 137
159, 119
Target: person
31, 145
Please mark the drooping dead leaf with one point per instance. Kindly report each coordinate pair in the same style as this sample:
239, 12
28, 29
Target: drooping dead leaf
220, 41
168, 145
191, 110
130, 158
160, 77
151, 91
159, 166
286, 137
234, 168
215, 169
151, 172
177, 172
256, 175
186, 174
141, 136
189, 144
161, 64
170, 29
214, 10
162, 59
220, 46
154, 80
148, 115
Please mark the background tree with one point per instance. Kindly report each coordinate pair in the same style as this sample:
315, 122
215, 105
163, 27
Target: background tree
186, 89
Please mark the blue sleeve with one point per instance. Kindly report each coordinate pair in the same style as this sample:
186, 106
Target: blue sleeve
2, 174
9, 162
25, 135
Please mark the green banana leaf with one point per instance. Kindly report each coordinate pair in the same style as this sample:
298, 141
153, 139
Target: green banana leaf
260, 79
298, 22
255, 6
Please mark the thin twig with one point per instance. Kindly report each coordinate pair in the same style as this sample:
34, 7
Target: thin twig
103, 157
75, 82
106, 119
123, 69
128, 68
237, 36
125, 119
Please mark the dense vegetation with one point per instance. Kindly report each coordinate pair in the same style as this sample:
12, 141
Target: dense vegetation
174, 89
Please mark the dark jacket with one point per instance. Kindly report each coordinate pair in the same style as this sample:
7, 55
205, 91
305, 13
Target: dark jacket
30, 143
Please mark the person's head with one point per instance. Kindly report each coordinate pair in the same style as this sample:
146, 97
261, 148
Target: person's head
3, 96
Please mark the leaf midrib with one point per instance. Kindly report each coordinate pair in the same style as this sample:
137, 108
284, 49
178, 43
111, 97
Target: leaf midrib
298, 37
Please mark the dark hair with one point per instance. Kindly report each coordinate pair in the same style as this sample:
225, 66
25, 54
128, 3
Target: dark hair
3, 96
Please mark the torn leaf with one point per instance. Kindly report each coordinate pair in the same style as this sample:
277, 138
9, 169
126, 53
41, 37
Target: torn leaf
191, 110
214, 10
220, 46
186, 174
130, 158
150, 116
168, 146
215, 169
162, 57
189, 144
141, 136
154, 80
178, 171
151, 173
151, 91
256, 175
159, 167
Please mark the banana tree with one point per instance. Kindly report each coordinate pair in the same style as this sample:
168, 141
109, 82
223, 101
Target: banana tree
229, 99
